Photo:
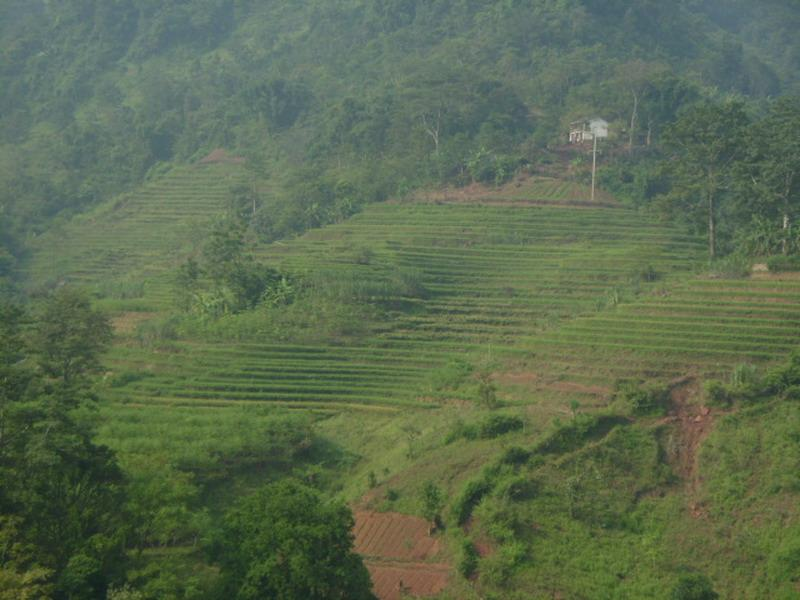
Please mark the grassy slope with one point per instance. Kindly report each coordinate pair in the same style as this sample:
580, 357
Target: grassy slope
549, 298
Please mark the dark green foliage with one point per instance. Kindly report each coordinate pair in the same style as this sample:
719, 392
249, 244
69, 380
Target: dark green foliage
229, 279
515, 456
468, 561
488, 428
643, 399
60, 493
566, 437
470, 496
70, 336
285, 542
704, 145
168, 82
783, 264
432, 501
487, 391
694, 587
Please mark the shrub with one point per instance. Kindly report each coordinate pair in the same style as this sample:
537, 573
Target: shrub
734, 266
432, 501
518, 488
693, 587
487, 391
498, 568
717, 392
783, 264
646, 274
744, 375
497, 425
566, 437
489, 428
153, 331
469, 498
124, 378
468, 561
515, 456
643, 399
784, 563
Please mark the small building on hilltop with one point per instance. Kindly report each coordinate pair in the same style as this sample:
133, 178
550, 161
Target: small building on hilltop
585, 130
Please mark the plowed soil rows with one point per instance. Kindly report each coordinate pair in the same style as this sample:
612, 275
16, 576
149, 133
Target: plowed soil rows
393, 582
393, 536
396, 549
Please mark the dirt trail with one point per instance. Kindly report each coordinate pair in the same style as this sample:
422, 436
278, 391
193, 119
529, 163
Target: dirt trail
693, 423
401, 554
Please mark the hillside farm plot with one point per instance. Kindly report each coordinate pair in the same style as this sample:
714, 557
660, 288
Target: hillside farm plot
203, 374
491, 274
491, 279
401, 555
128, 248
536, 190
701, 326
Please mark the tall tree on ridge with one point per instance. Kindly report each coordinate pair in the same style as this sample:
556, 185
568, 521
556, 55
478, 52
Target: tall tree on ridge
703, 146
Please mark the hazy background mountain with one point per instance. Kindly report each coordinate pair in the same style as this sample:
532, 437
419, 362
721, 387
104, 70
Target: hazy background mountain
97, 94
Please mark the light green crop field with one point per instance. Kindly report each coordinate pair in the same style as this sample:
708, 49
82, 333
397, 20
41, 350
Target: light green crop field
126, 249
558, 302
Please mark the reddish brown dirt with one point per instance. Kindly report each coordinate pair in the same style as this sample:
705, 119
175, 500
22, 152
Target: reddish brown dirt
400, 553
394, 536
510, 194
693, 423
220, 156
393, 582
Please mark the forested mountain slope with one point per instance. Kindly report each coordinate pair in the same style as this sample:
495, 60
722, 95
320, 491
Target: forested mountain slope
371, 98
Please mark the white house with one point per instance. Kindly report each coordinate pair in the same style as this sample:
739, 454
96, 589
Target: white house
585, 130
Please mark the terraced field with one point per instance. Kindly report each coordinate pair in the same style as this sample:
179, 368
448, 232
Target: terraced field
537, 190
570, 298
493, 278
495, 274
700, 326
128, 247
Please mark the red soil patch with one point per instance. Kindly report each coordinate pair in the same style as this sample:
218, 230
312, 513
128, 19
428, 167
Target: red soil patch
394, 536
515, 193
220, 156
396, 549
393, 582
693, 423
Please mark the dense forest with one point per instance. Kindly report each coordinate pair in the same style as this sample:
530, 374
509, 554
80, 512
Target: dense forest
351, 101
331, 107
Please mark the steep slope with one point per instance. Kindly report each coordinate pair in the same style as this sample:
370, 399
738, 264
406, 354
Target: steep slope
549, 299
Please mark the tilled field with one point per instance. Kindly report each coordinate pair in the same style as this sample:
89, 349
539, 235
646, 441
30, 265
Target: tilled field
401, 555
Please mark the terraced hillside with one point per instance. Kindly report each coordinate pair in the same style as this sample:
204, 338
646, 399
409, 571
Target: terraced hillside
127, 248
494, 278
701, 327
566, 299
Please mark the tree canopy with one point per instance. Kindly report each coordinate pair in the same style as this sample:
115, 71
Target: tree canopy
285, 542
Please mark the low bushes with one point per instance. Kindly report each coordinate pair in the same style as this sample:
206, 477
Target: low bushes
488, 428
783, 264
643, 399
